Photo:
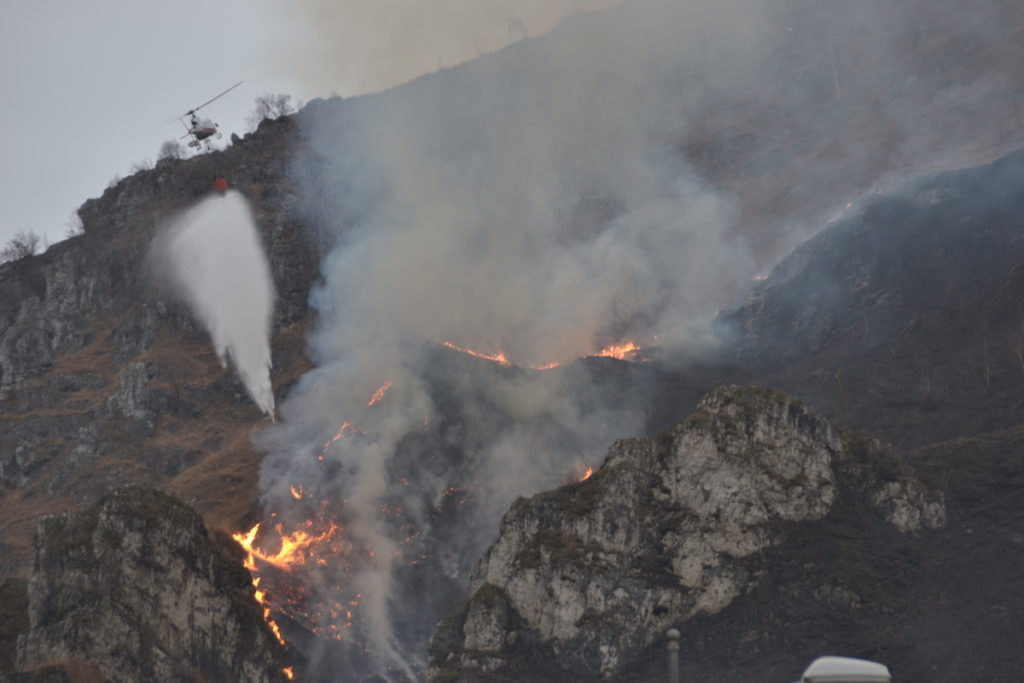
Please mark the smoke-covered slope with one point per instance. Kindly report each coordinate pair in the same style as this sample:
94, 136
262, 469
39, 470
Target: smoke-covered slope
622, 176
904, 316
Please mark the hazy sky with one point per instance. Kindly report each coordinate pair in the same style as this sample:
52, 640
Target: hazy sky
92, 88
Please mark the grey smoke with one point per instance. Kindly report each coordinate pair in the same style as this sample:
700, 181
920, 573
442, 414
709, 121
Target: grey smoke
369, 45
523, 207
216, 261
533, 202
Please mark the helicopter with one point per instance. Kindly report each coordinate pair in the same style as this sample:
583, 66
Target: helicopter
202, 129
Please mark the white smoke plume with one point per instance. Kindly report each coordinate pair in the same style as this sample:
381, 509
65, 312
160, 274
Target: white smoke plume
216, 261
519, 205
533, 202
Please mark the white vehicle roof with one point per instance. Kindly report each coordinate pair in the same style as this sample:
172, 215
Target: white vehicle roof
845, 670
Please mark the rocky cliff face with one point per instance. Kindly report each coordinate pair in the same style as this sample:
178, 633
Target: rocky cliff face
591, 575
51, 302
106, 379
137, 589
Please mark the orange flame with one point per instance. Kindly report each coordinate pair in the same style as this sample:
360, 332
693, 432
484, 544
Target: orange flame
379, 394
587, 474
625, 351
246, 540
277, 569
296, 492
295, 547
497, 358
500, 358
289, 674
346, 429
267, 618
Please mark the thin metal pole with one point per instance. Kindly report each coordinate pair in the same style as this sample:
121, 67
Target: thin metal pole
673, 655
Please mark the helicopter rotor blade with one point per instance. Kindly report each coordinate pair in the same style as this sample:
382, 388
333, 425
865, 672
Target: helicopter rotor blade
195, 109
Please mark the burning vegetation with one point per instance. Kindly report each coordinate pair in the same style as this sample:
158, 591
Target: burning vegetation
287, 557
314, 544
625, 351
271, 571
628, 350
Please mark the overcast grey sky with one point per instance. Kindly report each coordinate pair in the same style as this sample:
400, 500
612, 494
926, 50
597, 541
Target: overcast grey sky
92, 88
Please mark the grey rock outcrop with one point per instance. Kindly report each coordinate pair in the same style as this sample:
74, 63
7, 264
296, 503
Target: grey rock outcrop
50, 303
130, 402
138, 590
43, 299
103, 366
587, 576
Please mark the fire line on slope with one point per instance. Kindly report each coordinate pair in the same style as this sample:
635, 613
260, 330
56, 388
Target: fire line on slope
629, 350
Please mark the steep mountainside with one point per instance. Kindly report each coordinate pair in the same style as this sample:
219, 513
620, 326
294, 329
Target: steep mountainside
900, 319
904, 317
71, 320
584, 579
108, 380
136, 588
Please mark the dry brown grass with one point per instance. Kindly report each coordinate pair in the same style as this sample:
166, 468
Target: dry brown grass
222, 484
